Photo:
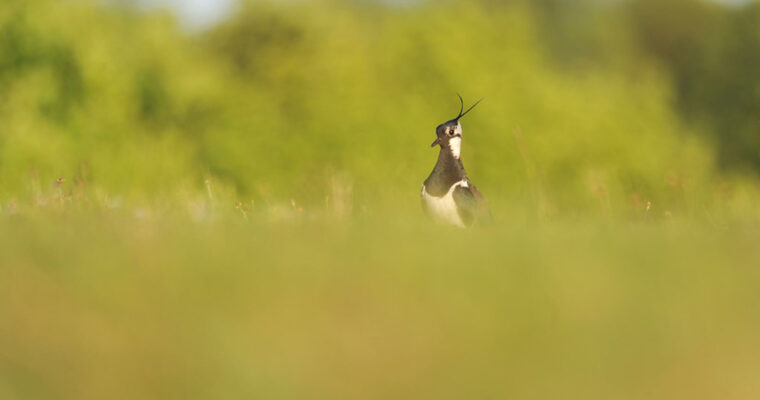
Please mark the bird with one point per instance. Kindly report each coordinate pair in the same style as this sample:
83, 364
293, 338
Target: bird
447, 194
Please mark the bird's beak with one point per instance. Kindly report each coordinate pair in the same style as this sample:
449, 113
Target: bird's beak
435, 142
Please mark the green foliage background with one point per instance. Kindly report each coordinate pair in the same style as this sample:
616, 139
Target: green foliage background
234, 213
281, 99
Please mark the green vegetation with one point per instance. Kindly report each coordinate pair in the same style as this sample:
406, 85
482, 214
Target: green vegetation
234, 213
283, 99
96, 307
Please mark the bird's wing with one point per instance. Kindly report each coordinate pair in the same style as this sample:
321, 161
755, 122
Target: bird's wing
468, 200
471, 204
477, 194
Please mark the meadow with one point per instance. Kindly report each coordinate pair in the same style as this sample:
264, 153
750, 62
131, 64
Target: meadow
235, 212
105, 303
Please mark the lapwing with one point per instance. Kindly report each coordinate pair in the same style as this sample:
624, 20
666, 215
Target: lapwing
447, 194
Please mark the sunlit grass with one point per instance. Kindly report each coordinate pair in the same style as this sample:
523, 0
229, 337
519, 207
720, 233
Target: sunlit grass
234, 213
107, 299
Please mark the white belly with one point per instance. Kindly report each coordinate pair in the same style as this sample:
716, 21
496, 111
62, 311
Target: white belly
444, 208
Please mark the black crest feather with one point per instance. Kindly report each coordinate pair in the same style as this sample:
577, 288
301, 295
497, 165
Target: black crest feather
461, 107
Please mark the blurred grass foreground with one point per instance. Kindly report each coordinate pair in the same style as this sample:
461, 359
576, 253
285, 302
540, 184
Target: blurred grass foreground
233, 212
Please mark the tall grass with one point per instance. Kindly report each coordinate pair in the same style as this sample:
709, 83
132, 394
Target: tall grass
288, 303
235, 213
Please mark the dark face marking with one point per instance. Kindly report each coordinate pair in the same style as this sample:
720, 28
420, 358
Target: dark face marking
446, 131
451, 128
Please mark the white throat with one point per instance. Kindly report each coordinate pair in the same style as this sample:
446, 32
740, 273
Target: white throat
455, 145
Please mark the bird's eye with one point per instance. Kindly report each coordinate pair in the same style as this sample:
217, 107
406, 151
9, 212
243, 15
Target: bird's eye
451, 132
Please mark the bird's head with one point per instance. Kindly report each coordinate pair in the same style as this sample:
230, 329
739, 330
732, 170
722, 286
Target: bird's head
449, 133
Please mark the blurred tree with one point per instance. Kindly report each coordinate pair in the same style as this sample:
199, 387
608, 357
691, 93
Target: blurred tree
282, 97
713, 54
